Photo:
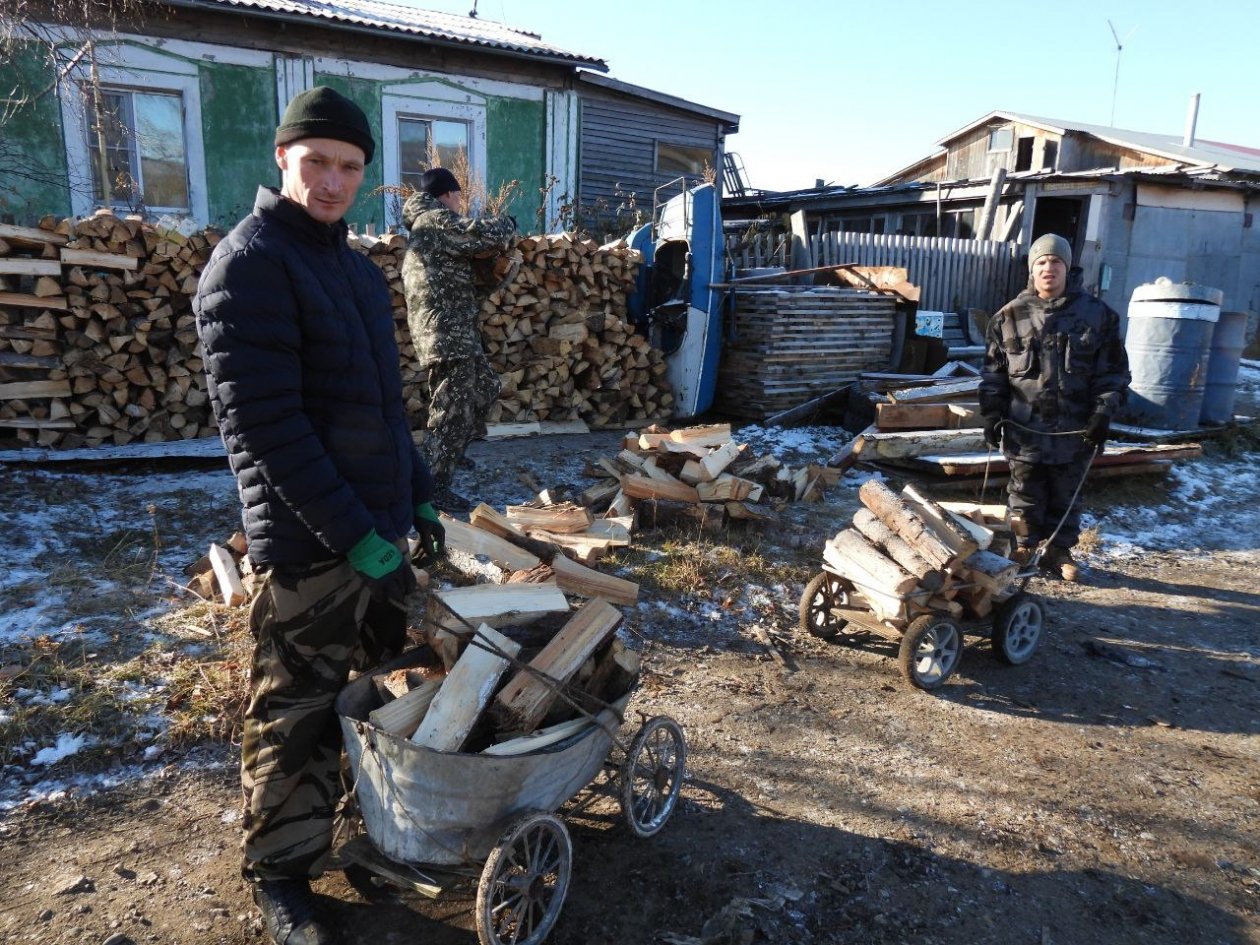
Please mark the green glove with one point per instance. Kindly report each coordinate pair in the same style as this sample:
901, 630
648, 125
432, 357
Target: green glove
388, 576
432, 534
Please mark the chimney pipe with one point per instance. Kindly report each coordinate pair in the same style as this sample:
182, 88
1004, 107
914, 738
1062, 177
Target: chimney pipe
1192, 119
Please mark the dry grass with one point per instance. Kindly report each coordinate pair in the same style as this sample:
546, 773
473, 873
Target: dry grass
690, 563
196, 678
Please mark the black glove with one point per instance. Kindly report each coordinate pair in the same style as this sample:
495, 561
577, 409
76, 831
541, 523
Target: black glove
1097, 429
432, 534
385, 571
992, 435
394, 587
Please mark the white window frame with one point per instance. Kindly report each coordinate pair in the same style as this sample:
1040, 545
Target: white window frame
141, 70
428, 101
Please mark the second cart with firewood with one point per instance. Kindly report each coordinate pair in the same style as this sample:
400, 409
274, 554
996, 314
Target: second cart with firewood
450, 798
923, 574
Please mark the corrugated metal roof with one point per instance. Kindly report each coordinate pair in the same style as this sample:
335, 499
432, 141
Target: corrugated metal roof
1203, 153
431, 25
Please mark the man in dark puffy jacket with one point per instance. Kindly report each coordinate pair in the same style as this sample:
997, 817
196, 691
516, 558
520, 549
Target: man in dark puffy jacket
1055, 372
303, 369
458, 384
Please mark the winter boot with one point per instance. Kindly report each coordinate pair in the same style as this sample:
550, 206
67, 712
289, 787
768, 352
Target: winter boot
289, 913
1068, 568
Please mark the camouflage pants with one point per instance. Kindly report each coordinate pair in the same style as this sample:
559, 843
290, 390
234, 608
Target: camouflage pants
1040, 494
458, 395
313, 625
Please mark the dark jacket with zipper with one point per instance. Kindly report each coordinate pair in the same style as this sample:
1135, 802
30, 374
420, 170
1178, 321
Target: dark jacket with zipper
1049, 365
298, 336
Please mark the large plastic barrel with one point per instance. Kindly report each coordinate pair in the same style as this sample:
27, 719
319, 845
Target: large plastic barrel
1228, 341
1168, 341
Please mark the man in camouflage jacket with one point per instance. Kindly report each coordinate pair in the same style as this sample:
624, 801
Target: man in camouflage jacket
1055, 373
458, 385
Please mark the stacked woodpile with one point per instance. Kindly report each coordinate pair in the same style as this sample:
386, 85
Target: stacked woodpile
98, 342
556, 330
97, 337
907, 555
700, 472
792, 343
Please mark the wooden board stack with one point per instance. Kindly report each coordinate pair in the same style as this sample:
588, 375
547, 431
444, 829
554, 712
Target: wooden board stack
792, 343
701, 472
97, 339
930, 425
556, 331
908, 555
98, 343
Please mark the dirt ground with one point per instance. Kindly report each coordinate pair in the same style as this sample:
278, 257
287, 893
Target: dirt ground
1106, 792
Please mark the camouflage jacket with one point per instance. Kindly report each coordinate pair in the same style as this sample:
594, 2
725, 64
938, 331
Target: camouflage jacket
1050, 364
442, 304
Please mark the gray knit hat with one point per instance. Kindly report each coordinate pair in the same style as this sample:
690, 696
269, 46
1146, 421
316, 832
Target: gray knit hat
1051, 244
322, 112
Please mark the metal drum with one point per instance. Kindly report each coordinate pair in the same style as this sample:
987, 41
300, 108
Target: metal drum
1221, 389
1168, 342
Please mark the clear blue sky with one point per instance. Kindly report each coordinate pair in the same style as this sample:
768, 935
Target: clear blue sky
852, 91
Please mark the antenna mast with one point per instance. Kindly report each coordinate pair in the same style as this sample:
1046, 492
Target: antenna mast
1115, 87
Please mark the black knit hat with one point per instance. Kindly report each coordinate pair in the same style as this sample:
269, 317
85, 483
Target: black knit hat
322, 112
438, 181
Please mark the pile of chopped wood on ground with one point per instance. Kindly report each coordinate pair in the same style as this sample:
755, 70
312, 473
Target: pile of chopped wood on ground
930, 426
907, 555
700, 472
98, 343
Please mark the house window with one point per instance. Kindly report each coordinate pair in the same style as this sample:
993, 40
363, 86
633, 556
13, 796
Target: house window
133, 134
136, 149
430, 142
1050, 156
1000, 139
681, 159
426, 122
1024, 155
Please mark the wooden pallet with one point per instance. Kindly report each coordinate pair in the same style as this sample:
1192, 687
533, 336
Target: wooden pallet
788, 345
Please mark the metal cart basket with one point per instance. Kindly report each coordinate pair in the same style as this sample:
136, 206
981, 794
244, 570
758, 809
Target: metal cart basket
436, 822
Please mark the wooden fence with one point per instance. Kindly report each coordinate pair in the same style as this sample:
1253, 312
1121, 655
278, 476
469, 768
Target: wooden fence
755, 249
953, 275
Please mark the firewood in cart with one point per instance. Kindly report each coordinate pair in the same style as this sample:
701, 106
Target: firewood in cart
466, 691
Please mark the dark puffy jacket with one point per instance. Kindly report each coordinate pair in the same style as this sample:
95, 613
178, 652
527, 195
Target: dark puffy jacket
303, 369
1049, 365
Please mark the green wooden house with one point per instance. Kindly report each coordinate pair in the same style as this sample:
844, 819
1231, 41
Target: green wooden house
173, 113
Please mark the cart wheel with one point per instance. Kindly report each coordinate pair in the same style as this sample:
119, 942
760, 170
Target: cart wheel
1017, 628
824, 591
652, 775
930, 649
524, 882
